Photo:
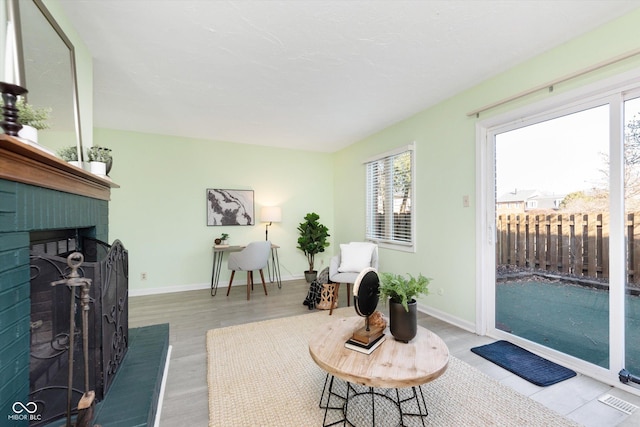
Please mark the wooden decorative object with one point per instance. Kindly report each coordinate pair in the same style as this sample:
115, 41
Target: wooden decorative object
326, 297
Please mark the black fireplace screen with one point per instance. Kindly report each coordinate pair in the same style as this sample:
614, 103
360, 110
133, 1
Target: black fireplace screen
107, 267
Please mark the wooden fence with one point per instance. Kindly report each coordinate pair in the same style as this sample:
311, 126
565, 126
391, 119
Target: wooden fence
576, 244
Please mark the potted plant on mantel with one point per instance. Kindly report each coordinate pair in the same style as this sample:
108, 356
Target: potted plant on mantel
31, 118
312, 240
403, 307
99, 160
70, 155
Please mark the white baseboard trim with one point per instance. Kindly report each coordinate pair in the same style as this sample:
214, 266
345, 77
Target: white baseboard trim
193, 287
446, 317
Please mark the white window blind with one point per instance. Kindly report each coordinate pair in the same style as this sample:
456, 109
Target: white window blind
389, 210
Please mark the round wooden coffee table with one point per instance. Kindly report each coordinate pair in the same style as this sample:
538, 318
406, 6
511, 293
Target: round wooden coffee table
394, 365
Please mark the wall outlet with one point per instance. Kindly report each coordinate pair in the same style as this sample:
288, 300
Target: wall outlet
143, 276
465, 201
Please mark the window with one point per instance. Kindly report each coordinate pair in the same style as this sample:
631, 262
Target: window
390, 204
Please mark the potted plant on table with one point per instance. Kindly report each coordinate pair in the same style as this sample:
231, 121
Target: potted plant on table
312, 240
401, 292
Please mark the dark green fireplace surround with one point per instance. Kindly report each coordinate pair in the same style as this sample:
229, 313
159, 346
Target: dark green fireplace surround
37, 192
25, 208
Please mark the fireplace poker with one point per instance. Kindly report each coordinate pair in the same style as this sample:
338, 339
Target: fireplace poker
85, 406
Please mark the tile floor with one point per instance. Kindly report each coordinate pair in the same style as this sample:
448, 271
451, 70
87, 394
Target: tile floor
575, 398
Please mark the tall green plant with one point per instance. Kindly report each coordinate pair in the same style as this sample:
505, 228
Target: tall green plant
402, 290
313, 237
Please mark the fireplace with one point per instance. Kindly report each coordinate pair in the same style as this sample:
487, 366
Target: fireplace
107, 268
38, 192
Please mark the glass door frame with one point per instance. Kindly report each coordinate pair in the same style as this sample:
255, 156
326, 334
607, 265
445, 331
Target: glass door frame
611, 91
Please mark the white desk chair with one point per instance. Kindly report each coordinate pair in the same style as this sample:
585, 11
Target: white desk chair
254, 257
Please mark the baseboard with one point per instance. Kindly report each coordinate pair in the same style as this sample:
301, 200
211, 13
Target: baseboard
194, 287
446, 317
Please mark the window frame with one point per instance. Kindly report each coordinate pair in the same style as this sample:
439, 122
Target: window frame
390, 243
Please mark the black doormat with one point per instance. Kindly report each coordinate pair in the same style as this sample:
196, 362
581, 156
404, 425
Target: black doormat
523, 363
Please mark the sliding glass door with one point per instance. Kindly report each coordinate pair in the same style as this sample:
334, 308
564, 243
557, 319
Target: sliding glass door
552, 231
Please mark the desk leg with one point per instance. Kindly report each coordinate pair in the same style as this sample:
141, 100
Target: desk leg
215, 272
275, 265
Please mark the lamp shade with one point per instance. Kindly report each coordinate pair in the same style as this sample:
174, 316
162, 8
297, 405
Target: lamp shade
271, 214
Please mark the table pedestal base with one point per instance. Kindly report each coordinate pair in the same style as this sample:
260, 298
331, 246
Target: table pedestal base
395, 406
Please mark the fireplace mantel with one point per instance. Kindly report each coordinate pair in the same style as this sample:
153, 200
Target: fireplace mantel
23, 163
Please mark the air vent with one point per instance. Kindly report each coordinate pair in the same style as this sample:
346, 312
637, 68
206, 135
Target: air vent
617, 403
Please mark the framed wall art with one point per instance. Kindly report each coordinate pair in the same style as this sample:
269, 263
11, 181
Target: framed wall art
230, 207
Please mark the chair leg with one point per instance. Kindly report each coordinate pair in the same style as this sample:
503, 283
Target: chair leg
264, 285
249, 285
348, 294
233, 272
334, 298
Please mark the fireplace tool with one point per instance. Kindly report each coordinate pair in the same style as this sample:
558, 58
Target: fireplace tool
86, 403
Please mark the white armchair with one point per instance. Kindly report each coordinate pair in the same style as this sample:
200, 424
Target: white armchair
345, 267
254, 257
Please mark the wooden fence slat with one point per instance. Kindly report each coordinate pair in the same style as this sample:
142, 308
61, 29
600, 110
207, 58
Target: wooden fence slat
592, 247
603, 238
553, 242
565, 244
522, 241
531, 241
512, 239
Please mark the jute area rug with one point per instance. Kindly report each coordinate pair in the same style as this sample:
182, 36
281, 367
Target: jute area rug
261, 374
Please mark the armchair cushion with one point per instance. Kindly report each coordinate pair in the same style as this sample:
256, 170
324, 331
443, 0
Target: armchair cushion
355, 257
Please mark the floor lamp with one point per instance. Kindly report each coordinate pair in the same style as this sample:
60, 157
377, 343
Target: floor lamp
270, 214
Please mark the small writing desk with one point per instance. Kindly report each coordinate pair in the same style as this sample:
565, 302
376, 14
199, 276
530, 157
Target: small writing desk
218, 254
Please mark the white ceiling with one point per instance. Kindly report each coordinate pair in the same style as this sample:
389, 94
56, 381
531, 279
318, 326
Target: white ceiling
307, 74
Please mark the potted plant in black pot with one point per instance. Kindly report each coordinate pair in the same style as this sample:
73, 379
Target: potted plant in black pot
312, 240
403, 308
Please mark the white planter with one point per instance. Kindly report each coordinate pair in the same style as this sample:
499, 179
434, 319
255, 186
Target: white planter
29, 133
75, 163
98, 168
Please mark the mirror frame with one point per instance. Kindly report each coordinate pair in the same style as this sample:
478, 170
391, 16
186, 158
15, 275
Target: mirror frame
13, 13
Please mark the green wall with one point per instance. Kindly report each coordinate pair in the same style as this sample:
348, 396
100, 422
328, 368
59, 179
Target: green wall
446, 165
159, 211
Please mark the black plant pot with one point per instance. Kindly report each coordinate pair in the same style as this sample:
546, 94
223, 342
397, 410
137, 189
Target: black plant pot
310, 276
403, 324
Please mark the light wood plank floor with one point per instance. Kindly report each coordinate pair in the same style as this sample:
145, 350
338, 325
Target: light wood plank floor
191, 314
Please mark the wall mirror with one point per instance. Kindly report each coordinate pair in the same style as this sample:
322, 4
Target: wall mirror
46, 68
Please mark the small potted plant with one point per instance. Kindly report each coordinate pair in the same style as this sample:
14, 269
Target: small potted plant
69, 154
222, 240
31, 118
312, 240
403, 307
98, 158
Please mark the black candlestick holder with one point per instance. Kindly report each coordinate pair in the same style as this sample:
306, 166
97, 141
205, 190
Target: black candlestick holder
10, 123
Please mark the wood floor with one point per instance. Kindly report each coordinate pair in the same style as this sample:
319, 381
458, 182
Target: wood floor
191, 314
